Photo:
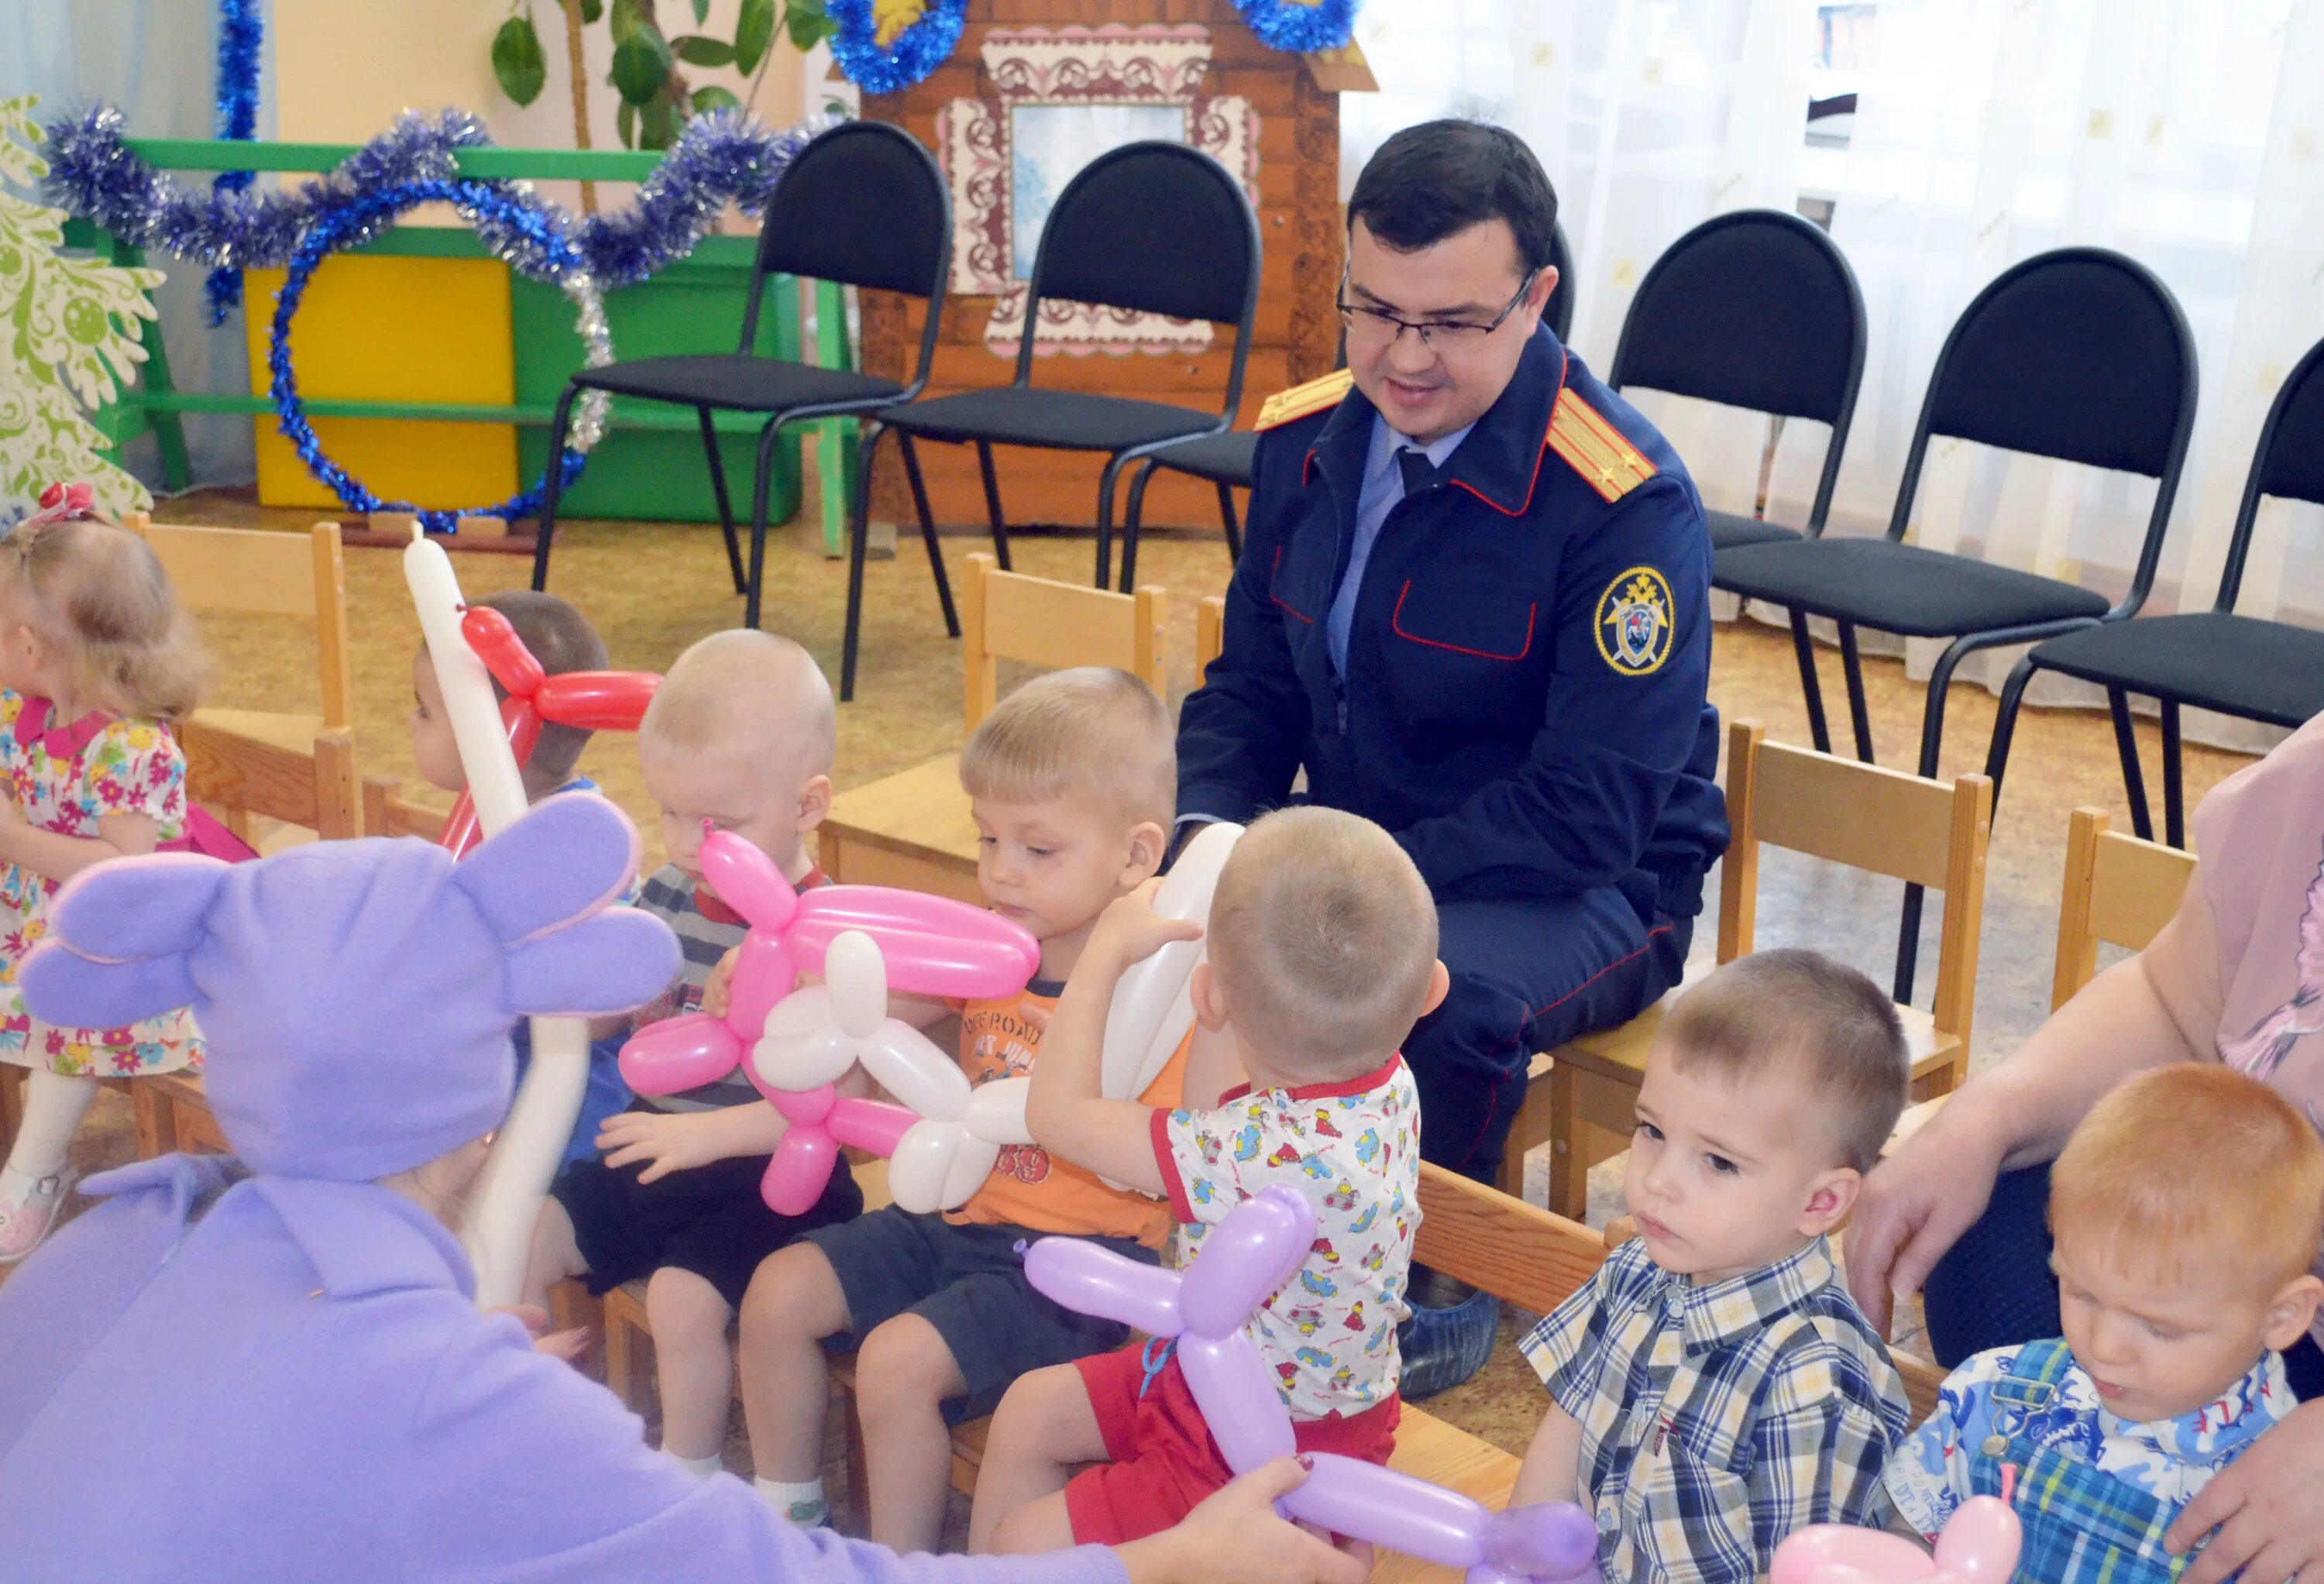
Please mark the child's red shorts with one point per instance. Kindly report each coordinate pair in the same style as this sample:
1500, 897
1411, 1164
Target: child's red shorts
1163, 1458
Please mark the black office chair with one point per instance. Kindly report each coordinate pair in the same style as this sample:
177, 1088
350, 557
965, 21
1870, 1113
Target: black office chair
1154, 227
1226, 459
2240, 665
1754, 308
2078, 353
863, 204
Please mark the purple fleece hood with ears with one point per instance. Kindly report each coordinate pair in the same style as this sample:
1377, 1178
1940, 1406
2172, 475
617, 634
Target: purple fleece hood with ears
357, 996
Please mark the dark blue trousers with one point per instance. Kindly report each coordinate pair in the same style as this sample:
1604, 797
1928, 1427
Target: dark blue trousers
1527, 975
1994, 1288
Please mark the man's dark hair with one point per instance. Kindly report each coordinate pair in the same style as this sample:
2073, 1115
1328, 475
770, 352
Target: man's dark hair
1441, 177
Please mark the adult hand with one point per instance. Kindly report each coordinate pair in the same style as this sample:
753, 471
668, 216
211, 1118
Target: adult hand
2263, 1512
1234, 1537
1917, 1204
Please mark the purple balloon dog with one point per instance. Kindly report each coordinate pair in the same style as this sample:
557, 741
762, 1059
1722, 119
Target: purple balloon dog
1247, 1258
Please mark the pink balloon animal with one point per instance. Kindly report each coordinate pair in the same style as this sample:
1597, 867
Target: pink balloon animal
794, 1044
1979, 1546
1247, 1257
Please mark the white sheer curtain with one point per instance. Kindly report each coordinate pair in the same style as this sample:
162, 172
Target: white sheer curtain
2184, 133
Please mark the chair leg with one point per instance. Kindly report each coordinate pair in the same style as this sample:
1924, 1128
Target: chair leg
1133, 518
991, 502
1811, 689
1105, 482
726, 506
859, 531
1932, 736
2174, 805
2134, 782
761, 483
1859, 717
1229, 521
552, 485
2004, 723
929, 530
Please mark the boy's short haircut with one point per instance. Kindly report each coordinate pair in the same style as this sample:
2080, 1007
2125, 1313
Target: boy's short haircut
2193, 1170
561, 638
1800, 1006
1089, 731
1322, 940
745, 694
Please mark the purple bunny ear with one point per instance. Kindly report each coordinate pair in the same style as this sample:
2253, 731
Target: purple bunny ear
620, 959
119, 933
73, 991
562, 858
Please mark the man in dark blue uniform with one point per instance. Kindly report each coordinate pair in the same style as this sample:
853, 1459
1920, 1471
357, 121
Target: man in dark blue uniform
1472, 607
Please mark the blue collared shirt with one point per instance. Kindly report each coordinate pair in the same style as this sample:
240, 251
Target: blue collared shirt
1383, 488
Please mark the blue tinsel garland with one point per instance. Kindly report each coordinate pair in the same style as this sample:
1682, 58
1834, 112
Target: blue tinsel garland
917, 52
1286, 24
241, 32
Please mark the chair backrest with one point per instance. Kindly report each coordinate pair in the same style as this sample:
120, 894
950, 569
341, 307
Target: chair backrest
2288, 461
259, 571
2079, 354
1155, 227
1475, 1233
387, 813
1753, 309
241, 779
1010, 616
863, 204
1210, 634
1558, 312
1913, 829
2118, 889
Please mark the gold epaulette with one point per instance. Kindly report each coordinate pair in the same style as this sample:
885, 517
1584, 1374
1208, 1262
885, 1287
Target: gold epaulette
1594, 448
1300, 401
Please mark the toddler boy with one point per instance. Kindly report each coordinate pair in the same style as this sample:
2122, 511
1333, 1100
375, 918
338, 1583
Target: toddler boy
1071, 780
1714, 1387
739, 736
2179, 1284
1323, 955
561, 638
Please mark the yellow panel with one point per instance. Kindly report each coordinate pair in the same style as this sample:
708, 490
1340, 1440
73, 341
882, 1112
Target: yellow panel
388, 329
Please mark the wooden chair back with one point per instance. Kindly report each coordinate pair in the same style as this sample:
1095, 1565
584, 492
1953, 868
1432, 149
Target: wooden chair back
1210, 634
262, 572
2118, 889
1010, 616
1870, 818
242, 776
387, 813
1518, 1252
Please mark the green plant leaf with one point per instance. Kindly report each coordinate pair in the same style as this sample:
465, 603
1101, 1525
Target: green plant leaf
699, 49
640, 64
625, 21
625, 121
714, 98
701, 12
657, 125
754, 30
591, 10
517, 60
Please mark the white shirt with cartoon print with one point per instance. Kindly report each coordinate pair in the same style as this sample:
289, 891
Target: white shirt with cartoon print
1352, 1151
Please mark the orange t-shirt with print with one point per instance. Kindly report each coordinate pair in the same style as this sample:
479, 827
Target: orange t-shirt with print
1028, 1187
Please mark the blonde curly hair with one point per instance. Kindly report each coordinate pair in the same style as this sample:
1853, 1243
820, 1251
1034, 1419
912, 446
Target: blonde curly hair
97, 591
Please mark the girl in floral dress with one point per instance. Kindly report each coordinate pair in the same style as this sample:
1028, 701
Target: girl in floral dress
97, 662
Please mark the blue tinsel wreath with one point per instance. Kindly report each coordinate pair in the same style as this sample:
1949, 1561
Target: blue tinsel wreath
1286, 24
241, 32
917, 52
515, 219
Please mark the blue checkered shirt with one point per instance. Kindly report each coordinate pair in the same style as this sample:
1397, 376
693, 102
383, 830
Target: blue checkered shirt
1716, 1420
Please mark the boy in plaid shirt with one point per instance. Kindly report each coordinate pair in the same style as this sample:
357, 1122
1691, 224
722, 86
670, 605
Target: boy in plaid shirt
2178, 1286
1714, 1387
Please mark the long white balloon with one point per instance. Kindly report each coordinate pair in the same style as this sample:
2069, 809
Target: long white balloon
1152, 1006
524, 1156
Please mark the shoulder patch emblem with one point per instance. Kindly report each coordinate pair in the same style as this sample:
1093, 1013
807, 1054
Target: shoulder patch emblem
1300, 401
1635, 622
1594, 448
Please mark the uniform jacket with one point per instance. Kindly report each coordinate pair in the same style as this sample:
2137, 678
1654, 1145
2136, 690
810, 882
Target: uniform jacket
1524, 706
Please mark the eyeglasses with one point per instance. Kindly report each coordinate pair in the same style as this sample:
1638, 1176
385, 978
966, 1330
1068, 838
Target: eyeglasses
1376, 325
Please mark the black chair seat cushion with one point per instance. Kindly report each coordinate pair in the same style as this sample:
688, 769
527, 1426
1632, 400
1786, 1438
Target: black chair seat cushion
1224, 459
1900, 588
2238, 665
1731, 528
737, 381
1064, 420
